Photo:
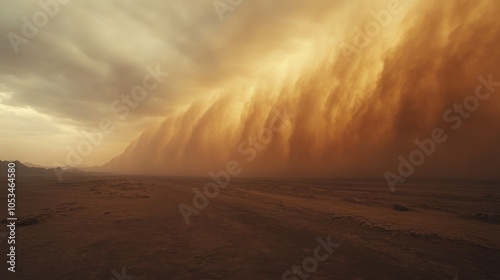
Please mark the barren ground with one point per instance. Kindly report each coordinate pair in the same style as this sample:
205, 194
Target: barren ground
89, 226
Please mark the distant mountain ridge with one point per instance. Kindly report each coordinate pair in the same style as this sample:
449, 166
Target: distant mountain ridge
29, 164
31, 169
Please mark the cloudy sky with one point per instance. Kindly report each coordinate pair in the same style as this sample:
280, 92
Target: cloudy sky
65, 78
361, 80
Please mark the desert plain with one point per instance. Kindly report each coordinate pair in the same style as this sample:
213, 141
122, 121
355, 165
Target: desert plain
94, 226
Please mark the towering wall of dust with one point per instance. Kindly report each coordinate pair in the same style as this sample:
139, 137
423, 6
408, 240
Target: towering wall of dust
357, 101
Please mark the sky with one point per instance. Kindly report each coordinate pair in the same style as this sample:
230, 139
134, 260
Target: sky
282, 88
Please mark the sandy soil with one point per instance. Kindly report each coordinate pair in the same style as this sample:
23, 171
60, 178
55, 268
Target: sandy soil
91, 226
